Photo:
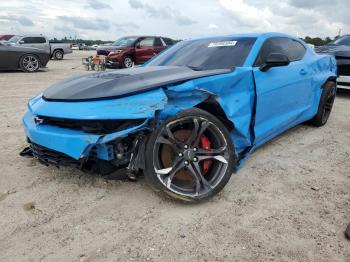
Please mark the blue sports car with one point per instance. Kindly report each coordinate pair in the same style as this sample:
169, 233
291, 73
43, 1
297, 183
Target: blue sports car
189, 117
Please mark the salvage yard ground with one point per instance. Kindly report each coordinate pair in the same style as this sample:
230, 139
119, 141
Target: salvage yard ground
289, 202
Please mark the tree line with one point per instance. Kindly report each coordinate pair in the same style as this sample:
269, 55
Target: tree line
317, 41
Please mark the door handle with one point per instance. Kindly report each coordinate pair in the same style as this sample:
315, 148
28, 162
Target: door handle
303, 71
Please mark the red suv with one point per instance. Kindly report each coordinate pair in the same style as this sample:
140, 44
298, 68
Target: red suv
127, 51
5, 37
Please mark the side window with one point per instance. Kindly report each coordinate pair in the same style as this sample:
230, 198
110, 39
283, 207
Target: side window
158, 42
38, 40
295, 50
34, 40
289, 47
147, 42
344, 41
27, 40
168, 41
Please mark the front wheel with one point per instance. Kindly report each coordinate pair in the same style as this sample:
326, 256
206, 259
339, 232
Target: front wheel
190, 156
325, 105
128, 62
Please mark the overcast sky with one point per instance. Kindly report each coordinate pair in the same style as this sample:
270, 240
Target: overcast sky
110, 19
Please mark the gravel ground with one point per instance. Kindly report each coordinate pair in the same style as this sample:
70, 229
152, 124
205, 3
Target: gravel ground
290, 201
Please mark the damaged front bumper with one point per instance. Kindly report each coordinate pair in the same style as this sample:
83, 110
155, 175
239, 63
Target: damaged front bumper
74, 143
58, 140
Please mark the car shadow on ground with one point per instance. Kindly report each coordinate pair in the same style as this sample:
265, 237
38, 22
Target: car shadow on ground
20, 71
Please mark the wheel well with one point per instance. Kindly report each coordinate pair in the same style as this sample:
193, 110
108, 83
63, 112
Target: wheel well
213, 107
129, 55
58, 49
331, 79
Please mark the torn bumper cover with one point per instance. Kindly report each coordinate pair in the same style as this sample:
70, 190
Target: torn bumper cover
74, 143
54, 140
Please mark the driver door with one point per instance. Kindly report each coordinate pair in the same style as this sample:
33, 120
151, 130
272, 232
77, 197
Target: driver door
284, 93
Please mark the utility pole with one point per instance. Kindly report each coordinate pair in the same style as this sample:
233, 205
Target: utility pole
339, 32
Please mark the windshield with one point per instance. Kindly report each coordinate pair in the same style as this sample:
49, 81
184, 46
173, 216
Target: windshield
125, 41
14, 39
206, 54
342, 41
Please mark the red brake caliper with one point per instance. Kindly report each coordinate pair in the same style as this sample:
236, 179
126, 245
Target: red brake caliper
205, 144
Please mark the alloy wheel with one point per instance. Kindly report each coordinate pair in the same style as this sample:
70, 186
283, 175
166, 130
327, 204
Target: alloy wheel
58, 55
30, 63
190, 156
128, 62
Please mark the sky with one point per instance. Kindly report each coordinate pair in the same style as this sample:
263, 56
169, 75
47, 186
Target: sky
179, 19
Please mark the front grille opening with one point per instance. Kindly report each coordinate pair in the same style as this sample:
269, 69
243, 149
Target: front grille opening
48, 156
90, 126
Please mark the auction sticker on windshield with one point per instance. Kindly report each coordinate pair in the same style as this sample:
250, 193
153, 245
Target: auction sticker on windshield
224, 43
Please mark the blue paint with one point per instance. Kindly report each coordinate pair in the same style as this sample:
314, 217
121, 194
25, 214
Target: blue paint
131, 107
281, 98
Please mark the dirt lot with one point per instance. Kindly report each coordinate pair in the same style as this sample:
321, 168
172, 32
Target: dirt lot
290, 201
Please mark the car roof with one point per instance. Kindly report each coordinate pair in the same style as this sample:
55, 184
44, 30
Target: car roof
141, 36
255, 35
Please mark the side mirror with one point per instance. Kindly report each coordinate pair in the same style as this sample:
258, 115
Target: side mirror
21, 42
274, 60
138, 46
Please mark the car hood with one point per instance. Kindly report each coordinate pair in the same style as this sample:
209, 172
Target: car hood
109, 85
336, 50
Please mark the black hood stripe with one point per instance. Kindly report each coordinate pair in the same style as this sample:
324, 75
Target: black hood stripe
124, 82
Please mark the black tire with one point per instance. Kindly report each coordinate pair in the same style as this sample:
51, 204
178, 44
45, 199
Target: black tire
347, 232
128, 62
190, 181
326, 104
29, 63
58, 54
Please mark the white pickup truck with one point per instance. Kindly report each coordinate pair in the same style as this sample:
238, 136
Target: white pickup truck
57, 50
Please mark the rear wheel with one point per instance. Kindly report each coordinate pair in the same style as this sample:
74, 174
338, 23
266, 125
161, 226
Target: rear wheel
58, 55
29, 63
190, 156
325, 105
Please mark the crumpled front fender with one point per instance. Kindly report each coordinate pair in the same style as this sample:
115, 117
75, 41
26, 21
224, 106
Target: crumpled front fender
234, 92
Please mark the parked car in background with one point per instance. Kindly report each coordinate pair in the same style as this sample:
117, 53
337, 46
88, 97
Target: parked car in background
57, 50
75, 47
5, 37
188, 118
83, 46
340, 48
27, 59
127, 51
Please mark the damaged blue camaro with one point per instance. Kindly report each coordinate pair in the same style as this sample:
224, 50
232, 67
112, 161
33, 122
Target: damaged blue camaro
189, 117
